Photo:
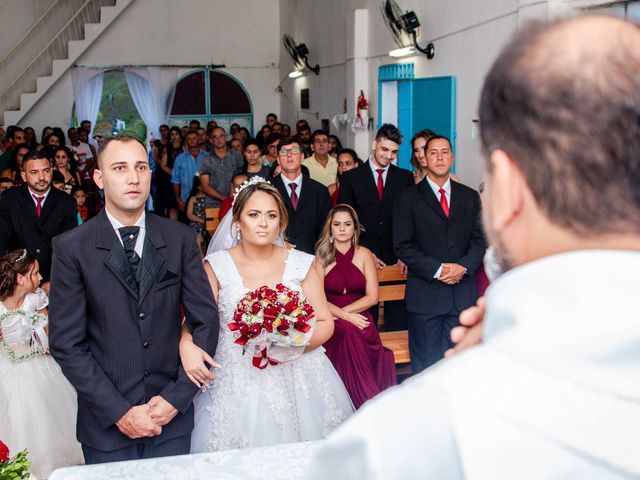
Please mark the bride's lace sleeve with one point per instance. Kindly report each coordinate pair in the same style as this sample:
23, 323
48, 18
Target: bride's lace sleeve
217, 261
300, 264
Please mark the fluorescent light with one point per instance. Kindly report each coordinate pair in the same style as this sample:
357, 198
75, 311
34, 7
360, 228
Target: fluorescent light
295, 74
402, 52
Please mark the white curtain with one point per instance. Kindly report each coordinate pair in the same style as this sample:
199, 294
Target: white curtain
87, 92
152, 93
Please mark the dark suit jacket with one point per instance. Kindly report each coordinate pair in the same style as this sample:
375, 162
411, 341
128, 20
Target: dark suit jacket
358, 188
20, 226
424, 238
118, 344
305, 223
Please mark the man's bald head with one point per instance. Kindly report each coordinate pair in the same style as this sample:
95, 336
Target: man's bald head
563, 101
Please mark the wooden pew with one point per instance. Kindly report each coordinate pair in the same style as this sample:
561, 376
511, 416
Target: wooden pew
392, 287
211, 220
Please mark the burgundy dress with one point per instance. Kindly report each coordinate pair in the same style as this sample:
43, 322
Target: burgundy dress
365, 366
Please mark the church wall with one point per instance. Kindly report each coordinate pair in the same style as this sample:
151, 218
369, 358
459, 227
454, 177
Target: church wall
244, 35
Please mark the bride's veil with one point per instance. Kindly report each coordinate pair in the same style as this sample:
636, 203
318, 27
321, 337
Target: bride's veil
226, 235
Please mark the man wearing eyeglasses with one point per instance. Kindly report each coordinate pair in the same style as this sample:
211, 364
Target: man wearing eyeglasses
307, 200
218, 168
322, 167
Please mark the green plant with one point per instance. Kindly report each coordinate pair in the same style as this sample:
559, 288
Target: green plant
16, 468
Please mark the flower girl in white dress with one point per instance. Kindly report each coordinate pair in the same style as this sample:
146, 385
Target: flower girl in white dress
37, 403
245, 406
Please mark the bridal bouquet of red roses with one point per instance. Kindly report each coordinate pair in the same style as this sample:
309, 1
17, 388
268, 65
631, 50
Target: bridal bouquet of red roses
273, 324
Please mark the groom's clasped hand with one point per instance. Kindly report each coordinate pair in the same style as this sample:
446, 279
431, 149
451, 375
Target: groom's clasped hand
147, 420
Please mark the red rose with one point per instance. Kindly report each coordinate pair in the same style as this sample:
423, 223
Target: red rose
244, 328
271, 311
255, 328
255, 308
280, 288
290, 307
4, 452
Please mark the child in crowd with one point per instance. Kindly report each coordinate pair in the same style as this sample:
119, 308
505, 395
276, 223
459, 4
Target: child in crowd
80, 195
57, 179
5, 183
236, 182
37, 402
195, 212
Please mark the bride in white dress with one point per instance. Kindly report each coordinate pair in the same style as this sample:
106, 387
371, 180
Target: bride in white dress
244, 406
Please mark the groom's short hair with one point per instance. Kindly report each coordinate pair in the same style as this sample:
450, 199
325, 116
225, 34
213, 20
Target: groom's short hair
563, 101
121, 137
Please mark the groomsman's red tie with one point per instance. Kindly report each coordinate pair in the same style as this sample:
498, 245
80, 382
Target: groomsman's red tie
443, 202
380, 182
38, 199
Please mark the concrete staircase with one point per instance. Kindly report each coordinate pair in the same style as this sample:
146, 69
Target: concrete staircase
56, 56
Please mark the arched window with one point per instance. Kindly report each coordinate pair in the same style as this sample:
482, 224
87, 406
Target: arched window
210, 94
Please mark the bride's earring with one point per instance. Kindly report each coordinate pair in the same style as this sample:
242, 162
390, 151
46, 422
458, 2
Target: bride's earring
330, 238
238, 234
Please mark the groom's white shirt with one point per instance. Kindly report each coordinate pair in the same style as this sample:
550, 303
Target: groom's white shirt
553, 392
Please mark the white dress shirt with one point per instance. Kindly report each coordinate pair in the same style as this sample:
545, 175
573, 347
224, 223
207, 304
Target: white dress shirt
115, 223
552, 392
447, 193
374, 170
45, 195
297, 181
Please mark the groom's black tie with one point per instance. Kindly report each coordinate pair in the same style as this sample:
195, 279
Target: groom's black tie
129, 236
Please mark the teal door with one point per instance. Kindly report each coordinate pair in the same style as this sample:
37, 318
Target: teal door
426, 103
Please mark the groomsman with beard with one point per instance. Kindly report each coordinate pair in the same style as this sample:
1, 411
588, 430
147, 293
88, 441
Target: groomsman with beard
119, 284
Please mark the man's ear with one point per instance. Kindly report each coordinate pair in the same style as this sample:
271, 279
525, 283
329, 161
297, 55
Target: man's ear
373, 145
507, 190
97, 177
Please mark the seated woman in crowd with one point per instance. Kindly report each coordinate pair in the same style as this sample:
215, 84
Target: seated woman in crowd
347, 160
335, 146
351, 287
270, 156
15, 171
63, 162
253, 166
418, 157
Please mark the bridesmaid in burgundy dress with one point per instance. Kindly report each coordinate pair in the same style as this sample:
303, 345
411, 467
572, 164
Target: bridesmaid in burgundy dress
351, 286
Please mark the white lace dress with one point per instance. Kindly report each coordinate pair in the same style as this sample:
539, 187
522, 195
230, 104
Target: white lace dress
246, 407
37, 403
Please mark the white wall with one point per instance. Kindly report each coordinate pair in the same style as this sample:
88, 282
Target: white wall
243, 35
467, 35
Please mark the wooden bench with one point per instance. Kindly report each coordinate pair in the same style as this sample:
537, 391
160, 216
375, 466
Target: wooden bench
392, 286
211, 220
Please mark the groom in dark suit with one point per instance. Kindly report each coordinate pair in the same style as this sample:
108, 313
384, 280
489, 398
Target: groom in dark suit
119, 283
438, 234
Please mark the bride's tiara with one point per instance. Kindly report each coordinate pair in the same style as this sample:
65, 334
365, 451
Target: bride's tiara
251, 181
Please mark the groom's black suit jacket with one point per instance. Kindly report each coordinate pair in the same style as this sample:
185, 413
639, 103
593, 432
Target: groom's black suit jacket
424, 238
117, 343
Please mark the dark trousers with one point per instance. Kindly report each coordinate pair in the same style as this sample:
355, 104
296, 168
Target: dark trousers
143, 449
395, 316
429, 338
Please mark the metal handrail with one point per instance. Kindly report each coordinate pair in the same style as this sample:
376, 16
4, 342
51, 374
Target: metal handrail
62, 31
31, 29
56, 48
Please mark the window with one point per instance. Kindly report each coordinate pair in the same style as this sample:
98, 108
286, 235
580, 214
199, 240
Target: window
210, 94
117, 111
